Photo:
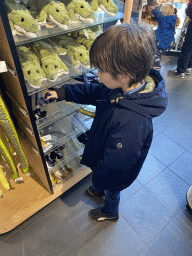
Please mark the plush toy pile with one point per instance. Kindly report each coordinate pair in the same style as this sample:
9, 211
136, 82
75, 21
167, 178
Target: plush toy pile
77, 52
50, 61
84, 37
52, 13
106, 5
80, 10
27, 18
20, 19
41, 62
30, 65
49, 13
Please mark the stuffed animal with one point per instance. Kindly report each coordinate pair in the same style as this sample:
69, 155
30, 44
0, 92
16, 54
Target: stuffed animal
80, 10
77, 52
30, 65
87, 40
56, 13
49, 10
20, 19
106, 5
147, 16
50, 60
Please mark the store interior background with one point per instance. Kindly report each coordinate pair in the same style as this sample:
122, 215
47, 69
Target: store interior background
153, 219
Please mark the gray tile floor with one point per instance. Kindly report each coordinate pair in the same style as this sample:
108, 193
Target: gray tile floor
153, 218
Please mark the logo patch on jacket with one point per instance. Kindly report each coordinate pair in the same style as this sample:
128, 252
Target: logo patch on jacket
119, 145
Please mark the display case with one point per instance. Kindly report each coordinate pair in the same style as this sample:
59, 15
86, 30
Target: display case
45, 129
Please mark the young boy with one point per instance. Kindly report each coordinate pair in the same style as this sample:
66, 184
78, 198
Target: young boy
122, 130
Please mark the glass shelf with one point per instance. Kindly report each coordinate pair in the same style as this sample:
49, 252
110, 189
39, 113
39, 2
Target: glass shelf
77, 169
56, 111
73, 73
72, 149
100, 18
62, 131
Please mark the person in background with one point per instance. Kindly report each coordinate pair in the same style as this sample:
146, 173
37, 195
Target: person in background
165, 33
130, 94
184, 62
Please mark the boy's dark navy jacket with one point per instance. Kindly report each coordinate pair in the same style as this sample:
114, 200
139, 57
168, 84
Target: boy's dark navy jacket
121, 132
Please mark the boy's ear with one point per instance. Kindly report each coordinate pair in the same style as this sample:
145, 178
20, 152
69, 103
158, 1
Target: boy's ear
124, 79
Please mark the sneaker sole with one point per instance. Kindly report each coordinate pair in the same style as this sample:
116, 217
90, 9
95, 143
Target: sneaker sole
187, 74
176, 76
105, 218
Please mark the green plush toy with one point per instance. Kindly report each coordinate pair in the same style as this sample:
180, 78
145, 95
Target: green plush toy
78, 53
87, 38
80, 10
49, 10
50, 61
30, 65
20, 19
56, 13
106, 5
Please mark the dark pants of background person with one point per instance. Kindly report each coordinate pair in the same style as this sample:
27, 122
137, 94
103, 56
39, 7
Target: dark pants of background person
185, 57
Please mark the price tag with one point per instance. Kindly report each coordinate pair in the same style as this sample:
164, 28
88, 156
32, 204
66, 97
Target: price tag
3, 67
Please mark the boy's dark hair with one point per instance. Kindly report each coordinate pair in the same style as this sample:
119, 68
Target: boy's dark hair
127, 49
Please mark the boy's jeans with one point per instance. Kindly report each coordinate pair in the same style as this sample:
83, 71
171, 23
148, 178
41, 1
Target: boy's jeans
112, 200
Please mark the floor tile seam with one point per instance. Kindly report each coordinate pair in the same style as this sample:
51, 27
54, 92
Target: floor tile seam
154, 177
81, 237
178, 120
178, 93
9, 234
144, 250
161, 232
63, 254
134, 231
133, 194
30, 220
160, 202
174, 141
179, 177
157, 159
169, 111
188, 125
23, 253
165, 228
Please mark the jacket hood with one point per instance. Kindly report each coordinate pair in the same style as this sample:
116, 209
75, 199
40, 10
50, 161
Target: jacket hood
151, 104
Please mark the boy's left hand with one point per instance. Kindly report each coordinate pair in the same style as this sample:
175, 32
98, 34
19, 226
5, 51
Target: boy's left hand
51, 95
